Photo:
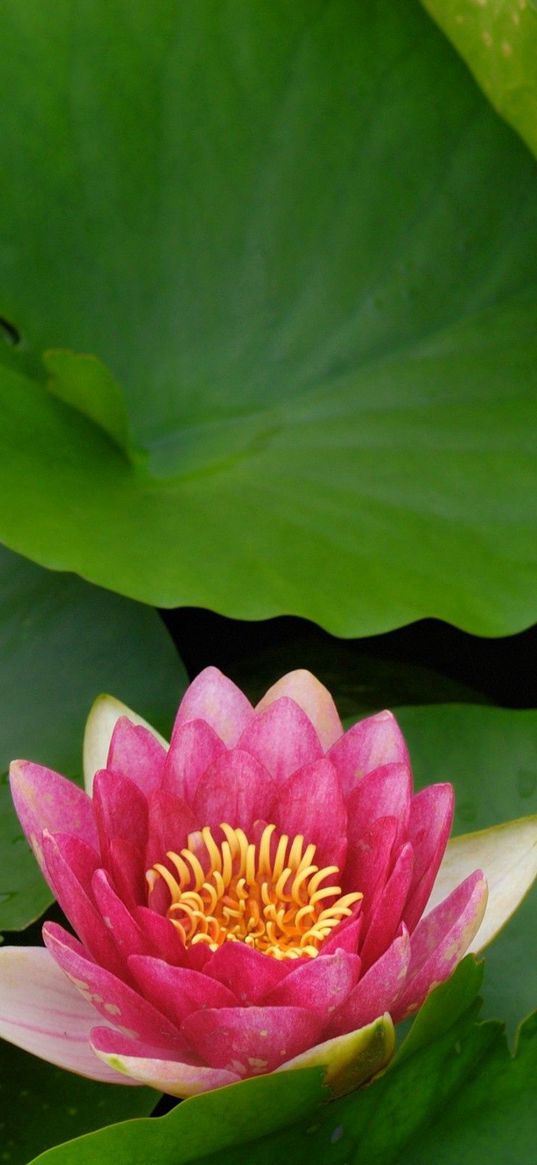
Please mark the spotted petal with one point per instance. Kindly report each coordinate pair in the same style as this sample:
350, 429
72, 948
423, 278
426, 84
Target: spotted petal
41, 1012
145, 1064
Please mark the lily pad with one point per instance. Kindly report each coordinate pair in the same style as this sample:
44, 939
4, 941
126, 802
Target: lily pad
499, 43
299, 247
62, 642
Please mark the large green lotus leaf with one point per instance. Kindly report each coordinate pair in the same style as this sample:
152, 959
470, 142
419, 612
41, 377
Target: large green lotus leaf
62, 642
498, 39
40, 1105
301, 248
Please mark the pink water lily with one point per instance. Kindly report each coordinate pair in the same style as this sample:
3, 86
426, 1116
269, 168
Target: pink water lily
251, 898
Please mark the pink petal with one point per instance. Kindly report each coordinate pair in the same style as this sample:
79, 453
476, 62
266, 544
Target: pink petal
45, 800
310, 803
429, 827
320, 984
248, 973
118, 1003
282, 738
369, 860
170, 822
315, 700
161, 936
368, 745
120, 811
381, 927
194, 747
384, 792
345, 936
214, 698
75, 903
150, 1066
126, 934
236, 789
177, 990
41, 1012
378, 991
136, 753
251, 1040
440, 940
127, 871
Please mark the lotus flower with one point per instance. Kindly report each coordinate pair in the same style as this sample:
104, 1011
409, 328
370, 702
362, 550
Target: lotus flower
247, 900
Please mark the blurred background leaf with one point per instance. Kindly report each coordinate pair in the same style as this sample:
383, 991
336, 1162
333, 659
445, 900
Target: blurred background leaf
62, 643
301, 246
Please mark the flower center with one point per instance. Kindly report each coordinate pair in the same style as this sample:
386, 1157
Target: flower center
269, 894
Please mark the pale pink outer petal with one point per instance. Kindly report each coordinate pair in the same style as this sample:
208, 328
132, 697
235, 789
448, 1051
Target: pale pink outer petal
373, 742
507, 854
282, 738
41, 1012
251, 1040
314, 699
100, 724
45, 800
136, 753
378, 991
216, 699
440, 940
350, 1060
171, 1076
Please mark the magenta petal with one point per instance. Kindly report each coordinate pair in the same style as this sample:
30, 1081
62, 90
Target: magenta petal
251, 1040
429, 827
384, 922
345, 937
440, 940
193, 748
126, 934
170, 822
75, 902
384, 792
177, 990
118, 1003
120, 811
320, 984
248, 973
310, 803
149, 1065
127, 870
236, 789
136, 753
41, 1012
314, 699
377, 992
282, 738
160, 935
369, 860
214, 698
368, 745
45, 800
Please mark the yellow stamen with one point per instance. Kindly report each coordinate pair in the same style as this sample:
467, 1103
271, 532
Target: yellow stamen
236, 892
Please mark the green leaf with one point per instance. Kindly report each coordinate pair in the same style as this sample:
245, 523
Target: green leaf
301, 247
62, 642
490, 754
41, 1105
498, 40
208, 1123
